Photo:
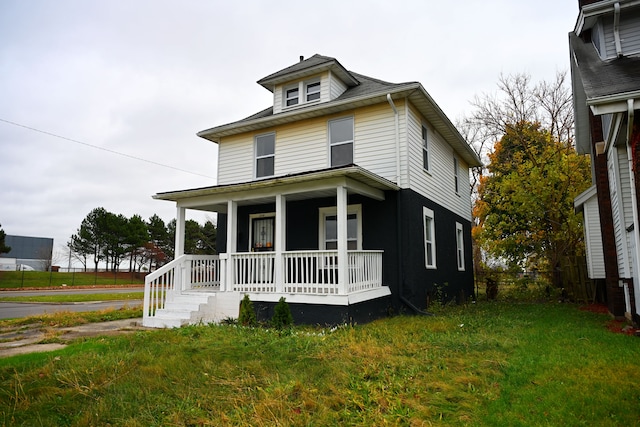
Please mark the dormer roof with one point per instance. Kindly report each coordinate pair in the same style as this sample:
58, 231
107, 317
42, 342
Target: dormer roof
307, 67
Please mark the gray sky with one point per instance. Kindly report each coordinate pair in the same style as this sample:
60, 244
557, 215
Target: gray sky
141, 77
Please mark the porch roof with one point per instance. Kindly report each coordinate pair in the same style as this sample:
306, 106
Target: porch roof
307, 185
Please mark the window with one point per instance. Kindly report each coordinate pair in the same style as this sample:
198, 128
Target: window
313, 91
456, 171
265, 154
341, 141
425, 148
292, 96
329, 228
459, 246
429, 238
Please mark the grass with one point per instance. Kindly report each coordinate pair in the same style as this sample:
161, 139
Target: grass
38, 279
68, 318
483, 364
68, 298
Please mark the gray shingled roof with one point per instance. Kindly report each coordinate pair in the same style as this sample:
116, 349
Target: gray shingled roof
604, 78
307, 66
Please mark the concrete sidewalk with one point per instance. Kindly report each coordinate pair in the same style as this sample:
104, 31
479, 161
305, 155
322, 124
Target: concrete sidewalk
25, 339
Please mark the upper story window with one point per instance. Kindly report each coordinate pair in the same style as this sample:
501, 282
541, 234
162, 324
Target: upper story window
429, 238
456, 175
301, 93
292, 96
313, 91
425, 148
341, 141
265, 154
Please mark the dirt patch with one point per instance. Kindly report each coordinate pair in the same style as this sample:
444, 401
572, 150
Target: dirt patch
34, 338
595, 308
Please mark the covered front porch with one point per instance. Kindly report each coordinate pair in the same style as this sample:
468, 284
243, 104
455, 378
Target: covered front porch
260, 259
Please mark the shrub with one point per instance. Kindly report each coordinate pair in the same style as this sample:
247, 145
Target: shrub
282, 317
247, 312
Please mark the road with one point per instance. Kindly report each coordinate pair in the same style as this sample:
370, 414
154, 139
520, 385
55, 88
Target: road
10, 310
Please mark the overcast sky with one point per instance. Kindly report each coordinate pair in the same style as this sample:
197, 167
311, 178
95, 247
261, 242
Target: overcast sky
142, 77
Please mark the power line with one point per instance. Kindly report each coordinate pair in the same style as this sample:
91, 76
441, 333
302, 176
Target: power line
104, 149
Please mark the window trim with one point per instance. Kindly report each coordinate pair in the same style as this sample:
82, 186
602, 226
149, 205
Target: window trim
333, 210
425, 146
428, 213
460, 247
261, 216
351, 141
309, 83
256, 157
456, 175
286, 98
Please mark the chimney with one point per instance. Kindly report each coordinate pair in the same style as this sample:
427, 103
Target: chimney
301, 58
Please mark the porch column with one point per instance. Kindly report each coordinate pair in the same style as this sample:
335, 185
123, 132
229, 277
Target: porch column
179, 243
232, 239
343, 256
280, 246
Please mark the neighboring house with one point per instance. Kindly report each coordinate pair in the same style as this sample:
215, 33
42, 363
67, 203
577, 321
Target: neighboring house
349, 197
27, 253
605, 73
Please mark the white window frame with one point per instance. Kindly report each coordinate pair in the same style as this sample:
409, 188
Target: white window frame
260, 216
429, 230
286, 97
460, 246
425, 146
351, 141
331, 211
266, 156
456, 175
311, 84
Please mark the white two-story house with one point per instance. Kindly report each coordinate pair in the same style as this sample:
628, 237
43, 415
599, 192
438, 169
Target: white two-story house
605, 74
349, 197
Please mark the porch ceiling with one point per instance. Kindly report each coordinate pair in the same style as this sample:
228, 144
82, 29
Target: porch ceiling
309, 185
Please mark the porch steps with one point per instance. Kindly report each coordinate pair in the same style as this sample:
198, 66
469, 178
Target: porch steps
196, 307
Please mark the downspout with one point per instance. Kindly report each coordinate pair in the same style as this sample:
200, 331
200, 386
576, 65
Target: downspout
398, 219
616, 29
634, 200
395, 112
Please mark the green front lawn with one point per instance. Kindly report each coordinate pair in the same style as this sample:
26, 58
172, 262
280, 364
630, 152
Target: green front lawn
39, 279
493, 364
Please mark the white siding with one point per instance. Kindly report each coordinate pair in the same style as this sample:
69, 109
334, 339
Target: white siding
336, 86
375, 139
629, 31
593, 239
438, 183
235, 159
278, 92
302, 147
620, 189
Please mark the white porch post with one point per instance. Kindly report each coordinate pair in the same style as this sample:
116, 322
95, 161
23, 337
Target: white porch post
232, 239
280, 241
179, 243
343, 257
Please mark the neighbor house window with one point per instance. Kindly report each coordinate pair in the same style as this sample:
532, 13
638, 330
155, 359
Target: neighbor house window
341, 141
425, 148
456, 177
459, 246
265, 154
328, 228
313, 91
429, 238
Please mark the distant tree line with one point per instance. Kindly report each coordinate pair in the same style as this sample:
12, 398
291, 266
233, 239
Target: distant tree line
111, 238
3, 248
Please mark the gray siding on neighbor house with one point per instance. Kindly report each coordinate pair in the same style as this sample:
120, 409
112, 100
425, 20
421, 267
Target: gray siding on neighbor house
629, 30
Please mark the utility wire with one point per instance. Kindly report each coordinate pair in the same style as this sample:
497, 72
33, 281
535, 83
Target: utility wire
104, 149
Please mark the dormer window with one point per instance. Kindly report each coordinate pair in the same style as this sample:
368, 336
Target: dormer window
301, 93
313, 91
292, 96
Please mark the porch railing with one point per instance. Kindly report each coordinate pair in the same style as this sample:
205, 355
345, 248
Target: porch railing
300, 272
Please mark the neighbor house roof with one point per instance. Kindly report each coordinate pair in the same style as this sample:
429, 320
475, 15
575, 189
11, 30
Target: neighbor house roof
602, 80
363, 91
